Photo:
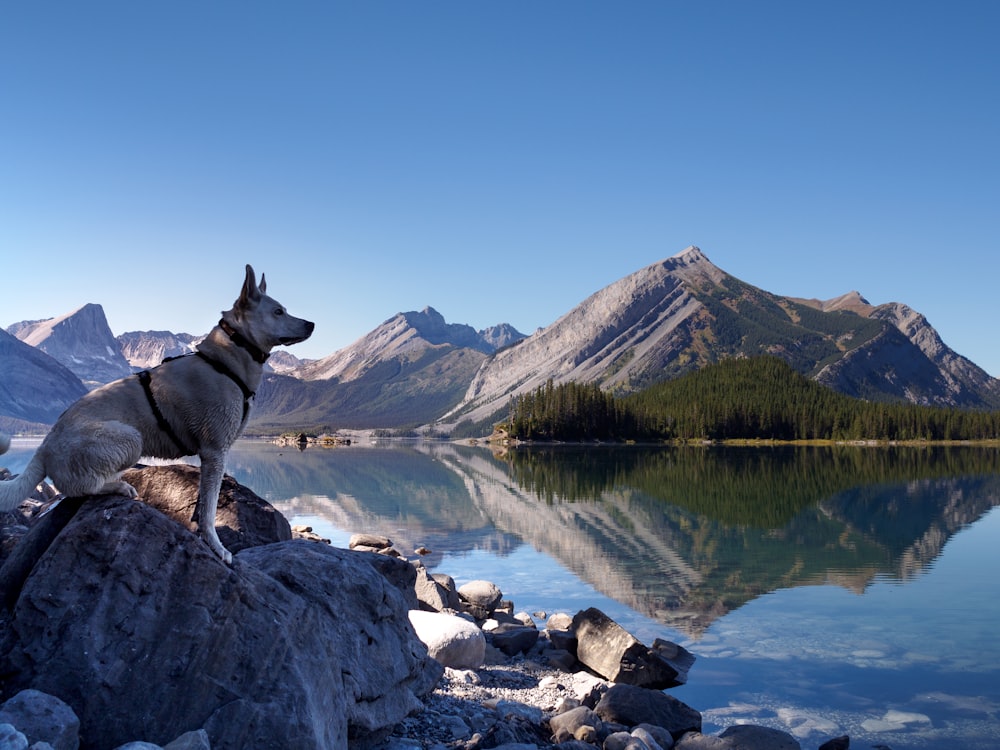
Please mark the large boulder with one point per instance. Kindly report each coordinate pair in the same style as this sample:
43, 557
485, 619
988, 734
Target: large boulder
243, 518
42, 718
631, 706
611, 651
131, 620
451, 640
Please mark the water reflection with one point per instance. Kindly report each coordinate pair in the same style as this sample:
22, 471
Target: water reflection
681, 535
730, 551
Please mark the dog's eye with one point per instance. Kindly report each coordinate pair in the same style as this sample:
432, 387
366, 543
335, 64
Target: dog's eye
279, 311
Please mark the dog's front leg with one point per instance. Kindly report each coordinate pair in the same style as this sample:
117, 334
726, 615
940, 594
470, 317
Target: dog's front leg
212, 467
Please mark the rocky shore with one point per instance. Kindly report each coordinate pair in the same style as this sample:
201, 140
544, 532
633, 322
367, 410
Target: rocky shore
520, 681
122, 631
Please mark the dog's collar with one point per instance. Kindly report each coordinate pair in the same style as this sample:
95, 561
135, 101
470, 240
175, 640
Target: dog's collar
243, 342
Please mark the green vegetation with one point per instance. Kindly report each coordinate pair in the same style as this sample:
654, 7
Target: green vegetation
754, 398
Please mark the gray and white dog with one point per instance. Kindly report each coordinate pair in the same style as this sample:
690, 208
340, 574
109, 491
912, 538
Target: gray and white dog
192, 405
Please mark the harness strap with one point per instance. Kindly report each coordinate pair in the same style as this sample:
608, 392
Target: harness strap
162, 423
222, 369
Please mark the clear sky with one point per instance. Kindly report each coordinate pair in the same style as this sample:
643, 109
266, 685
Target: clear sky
498, 161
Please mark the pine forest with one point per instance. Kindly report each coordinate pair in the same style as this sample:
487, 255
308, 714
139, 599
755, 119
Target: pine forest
745, 398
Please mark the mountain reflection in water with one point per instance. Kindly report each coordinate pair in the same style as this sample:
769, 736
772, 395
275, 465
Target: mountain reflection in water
824, 591
681, 535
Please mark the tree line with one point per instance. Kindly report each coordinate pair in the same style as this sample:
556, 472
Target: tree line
754, 398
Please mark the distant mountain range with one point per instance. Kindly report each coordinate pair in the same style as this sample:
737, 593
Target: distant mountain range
415, 369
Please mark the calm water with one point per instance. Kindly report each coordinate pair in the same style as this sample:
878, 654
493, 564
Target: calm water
825, 591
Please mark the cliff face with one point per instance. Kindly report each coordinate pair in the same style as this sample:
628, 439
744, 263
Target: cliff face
81, 341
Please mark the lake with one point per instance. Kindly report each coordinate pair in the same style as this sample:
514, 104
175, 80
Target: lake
824, 590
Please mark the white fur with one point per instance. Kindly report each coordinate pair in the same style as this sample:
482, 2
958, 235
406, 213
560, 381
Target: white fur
110, 428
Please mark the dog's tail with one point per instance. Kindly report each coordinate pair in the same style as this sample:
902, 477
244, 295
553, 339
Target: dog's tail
15, 491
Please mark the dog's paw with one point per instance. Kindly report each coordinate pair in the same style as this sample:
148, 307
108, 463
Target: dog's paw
212, 540
225, 555
119, 488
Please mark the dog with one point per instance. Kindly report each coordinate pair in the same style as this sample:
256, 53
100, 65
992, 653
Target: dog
196, 404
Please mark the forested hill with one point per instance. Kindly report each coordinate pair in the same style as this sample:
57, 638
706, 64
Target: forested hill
738, 398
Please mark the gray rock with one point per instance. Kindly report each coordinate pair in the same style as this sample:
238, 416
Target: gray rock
431, 595
631, 706
396, 571
479, 598
11, 739
451, 641
369, 540
139, 745
42, 718
611, 651
562, 639
837, 743
559, 621
564, 726
559, 659
751, 737
448, 583
699, 741
623, 741
243, 520
197, 740
654, 736
148, 634
22, 558
514, 639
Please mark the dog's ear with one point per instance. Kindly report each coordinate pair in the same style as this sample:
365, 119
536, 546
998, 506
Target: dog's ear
251, 292
263, 284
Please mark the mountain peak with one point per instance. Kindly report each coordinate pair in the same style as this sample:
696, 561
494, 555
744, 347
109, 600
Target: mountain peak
681, 313
691, 252
851, 302
80, 340
405, 335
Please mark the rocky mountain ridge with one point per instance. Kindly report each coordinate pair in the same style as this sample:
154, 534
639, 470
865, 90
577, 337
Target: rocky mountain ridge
404, 336
145, 349
669, 318
684, 312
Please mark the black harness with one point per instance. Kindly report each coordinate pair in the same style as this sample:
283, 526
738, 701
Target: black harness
145, 377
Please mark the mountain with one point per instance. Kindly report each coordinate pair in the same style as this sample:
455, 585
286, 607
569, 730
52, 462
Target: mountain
34, 387
145, 349
669, 318
284, 362
81, 341
684, 312
401, 338
406, 372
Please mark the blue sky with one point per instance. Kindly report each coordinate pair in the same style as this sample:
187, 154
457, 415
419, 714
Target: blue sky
497, 161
